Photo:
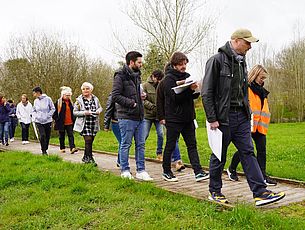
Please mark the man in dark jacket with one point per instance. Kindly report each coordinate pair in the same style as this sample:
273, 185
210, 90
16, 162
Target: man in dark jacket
225, 100
150, 109
179, 115
126, 93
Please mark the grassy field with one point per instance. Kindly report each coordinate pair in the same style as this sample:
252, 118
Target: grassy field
39, 192
285, 147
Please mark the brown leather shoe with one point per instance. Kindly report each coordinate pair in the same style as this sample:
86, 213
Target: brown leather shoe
74, 150
179, 166
159, 157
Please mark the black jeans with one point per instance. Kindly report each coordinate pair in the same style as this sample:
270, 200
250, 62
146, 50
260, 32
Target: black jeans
173, 131
239, 132
25, 131
45, 133
260, 144
69, 130
88, 146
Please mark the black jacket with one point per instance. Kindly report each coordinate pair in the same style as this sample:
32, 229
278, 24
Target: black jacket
126, 92
110, 112
219, 85
177, 108
60, 118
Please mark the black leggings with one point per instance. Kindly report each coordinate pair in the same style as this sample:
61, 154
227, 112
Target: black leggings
88, 146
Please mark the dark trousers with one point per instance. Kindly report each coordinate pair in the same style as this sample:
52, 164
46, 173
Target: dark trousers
25, 131
260, 144
12, 127
88, 146
239, 132
44, 133
187, 130
69, 130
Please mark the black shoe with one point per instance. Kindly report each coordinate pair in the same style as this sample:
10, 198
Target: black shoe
86, 160
270, 182
44, 153
118, 164
201, 176
6, 144
169, 176
232, 174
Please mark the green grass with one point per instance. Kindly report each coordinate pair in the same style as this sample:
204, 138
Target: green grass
39, 192
285, 147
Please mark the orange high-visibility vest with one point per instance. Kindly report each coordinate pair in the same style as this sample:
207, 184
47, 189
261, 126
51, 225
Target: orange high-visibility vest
261, 116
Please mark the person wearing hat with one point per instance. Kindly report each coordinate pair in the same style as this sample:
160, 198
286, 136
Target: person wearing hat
43, 110
64, 119
226, 104
260, 122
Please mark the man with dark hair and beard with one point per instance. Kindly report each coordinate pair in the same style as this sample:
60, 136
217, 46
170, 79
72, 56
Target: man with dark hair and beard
126, 93
179, 115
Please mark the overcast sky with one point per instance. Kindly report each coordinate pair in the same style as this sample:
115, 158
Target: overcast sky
90, 23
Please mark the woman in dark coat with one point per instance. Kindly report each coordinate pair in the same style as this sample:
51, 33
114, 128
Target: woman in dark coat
64, 119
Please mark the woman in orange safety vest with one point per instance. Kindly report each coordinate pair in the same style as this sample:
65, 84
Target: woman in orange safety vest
259, 122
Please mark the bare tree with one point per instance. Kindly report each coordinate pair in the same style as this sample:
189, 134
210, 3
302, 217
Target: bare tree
171, 25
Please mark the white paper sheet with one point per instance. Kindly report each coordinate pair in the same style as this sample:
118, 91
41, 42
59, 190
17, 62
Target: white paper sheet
215, 140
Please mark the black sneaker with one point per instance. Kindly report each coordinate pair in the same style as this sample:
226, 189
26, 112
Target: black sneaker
268, 198
86, 160
270, 182
201, 176
44, 153
232, 175
218, 197
118, 164
169, 177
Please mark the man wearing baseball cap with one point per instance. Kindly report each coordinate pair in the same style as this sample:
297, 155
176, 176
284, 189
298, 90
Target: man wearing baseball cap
225, 99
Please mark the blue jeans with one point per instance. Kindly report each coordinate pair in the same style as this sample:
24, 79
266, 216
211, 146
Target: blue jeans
176, 153
4, 126
132, 129
147, 126
116, 131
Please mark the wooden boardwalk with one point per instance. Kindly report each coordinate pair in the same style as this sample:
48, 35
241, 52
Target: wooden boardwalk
236, 192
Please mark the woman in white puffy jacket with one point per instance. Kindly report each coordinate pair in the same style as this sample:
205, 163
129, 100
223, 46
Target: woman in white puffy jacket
23, 113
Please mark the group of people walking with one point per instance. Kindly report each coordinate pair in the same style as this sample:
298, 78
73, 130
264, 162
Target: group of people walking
230, 97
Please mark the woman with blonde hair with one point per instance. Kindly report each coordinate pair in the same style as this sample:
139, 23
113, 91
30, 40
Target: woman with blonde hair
24, 113
260, 121
64, 119
86, 110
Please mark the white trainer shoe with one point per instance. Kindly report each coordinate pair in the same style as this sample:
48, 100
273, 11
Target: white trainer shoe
143, 176
23, 142
26, 142
127, 175
12, 139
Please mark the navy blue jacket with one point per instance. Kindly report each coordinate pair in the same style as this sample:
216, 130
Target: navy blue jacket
4, 113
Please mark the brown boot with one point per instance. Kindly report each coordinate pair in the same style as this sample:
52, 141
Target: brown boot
179, 166
159, 157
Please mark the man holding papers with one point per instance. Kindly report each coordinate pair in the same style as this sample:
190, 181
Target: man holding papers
179, 116
225, 100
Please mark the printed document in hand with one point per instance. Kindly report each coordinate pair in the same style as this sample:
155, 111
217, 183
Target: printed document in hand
180, 88
215, 140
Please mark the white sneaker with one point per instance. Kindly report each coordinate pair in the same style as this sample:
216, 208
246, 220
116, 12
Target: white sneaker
143, 176
12, 139
23, 142
26, 142
127, 175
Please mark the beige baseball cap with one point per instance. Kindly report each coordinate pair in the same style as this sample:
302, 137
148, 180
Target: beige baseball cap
244, 34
